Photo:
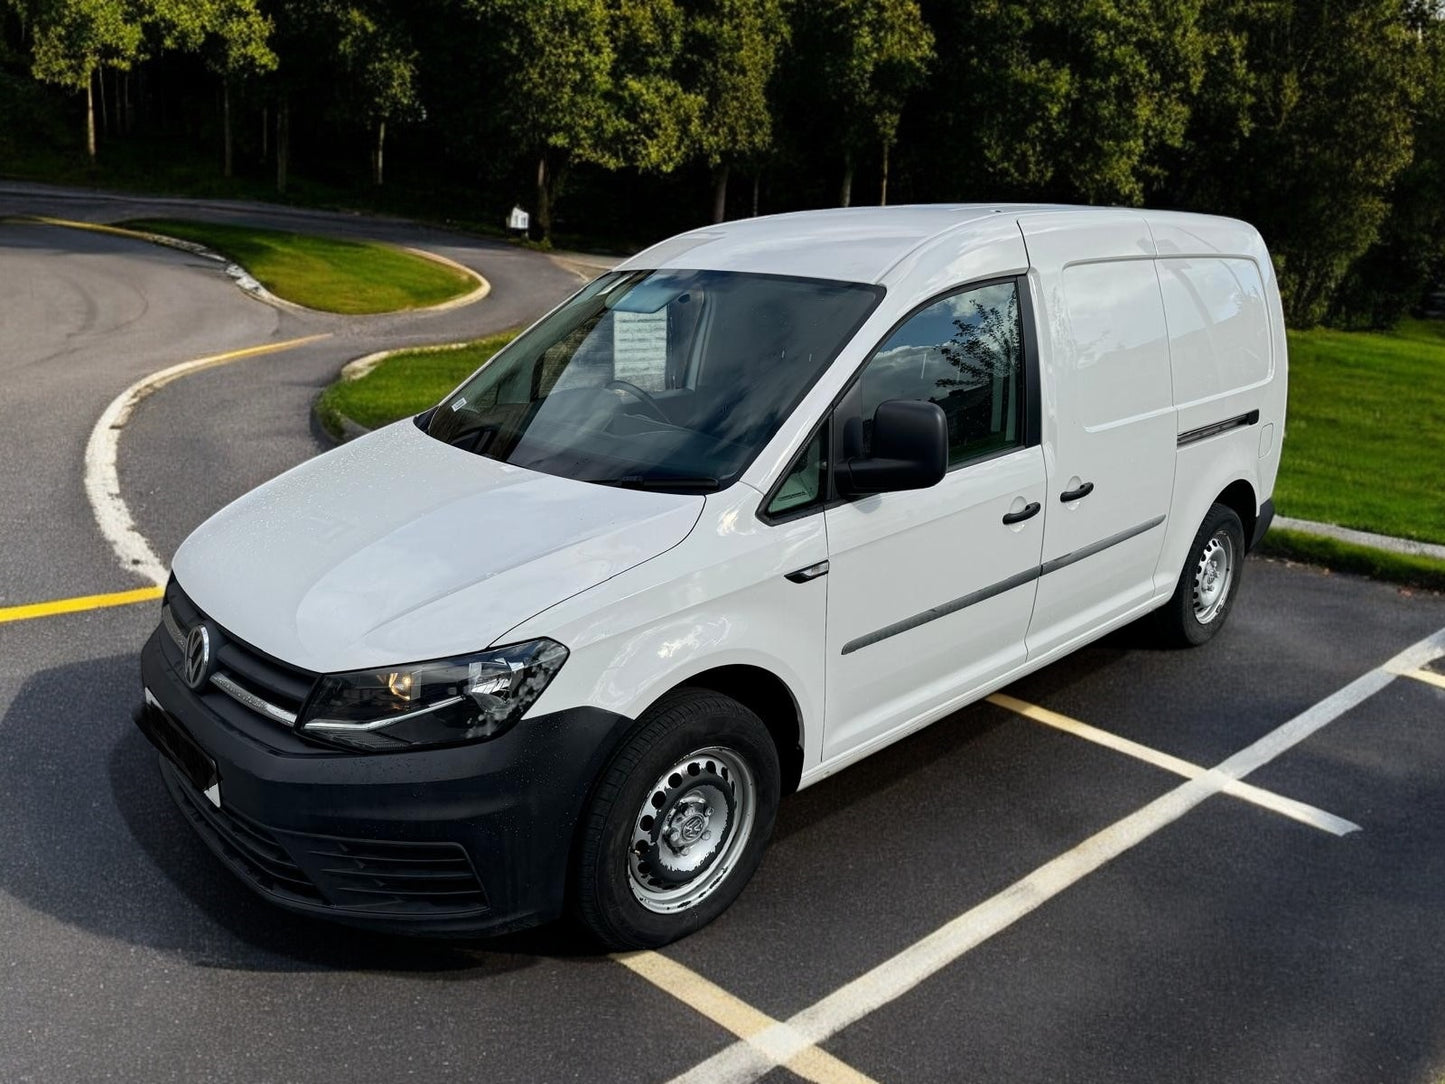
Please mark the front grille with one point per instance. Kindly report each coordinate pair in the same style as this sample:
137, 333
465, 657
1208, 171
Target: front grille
392, 877
248, 846
266, 686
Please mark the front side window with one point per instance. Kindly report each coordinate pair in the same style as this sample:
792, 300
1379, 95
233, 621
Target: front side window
964, 352
670, 380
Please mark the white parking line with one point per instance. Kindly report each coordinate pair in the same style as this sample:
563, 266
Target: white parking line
1266, 799
744, 1062
102, 482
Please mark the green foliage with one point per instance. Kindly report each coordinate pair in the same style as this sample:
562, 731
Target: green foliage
325, 273
1062, 99
381, 63
557, 57
732, 48
72, 38
1320, 123
658, 115
866, 55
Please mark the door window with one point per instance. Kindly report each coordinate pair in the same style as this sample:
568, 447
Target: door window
964, 352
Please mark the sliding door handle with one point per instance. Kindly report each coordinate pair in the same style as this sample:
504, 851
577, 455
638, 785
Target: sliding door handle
1076, 494
1028, 511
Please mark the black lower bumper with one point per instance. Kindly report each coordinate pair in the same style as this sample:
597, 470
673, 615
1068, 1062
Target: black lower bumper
459, 841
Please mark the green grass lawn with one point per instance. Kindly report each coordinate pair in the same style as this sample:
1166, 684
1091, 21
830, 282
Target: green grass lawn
326, 273
1365, 437
406, 383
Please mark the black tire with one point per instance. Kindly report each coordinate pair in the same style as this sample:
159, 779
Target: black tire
709, 759
1201, 604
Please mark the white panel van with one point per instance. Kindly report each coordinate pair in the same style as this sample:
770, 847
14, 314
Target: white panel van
762, 500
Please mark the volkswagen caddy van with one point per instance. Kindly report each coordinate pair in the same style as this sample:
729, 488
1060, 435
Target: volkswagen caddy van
762, 500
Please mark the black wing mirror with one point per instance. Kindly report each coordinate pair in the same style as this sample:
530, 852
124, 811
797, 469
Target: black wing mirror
910, 450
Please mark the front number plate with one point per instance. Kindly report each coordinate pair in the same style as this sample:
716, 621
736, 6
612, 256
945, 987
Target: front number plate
170, 737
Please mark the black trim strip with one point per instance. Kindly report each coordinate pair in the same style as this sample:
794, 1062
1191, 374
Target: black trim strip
1017, 580
1213, 429
941, 611
1098, 547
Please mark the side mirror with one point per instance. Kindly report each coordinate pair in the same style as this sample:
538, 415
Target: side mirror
910, 450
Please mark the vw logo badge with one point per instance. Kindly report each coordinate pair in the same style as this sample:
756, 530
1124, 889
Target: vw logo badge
198, 657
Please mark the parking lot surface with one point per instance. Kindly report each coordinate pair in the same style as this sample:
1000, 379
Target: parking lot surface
1139, 864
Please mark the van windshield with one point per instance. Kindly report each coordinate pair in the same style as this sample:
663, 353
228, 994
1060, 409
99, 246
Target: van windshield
669, 380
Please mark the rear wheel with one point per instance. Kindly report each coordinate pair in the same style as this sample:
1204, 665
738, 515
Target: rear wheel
678, 822
1209, 582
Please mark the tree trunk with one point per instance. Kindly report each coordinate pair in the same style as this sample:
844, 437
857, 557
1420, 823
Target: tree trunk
226, 125
544, 201
720, 193
104, 112
265, 133
127, 118
757, 179
883, 190
845, 194
283, 142
376, 172
90, 117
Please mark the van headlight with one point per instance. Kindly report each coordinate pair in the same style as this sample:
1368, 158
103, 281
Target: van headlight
465, 699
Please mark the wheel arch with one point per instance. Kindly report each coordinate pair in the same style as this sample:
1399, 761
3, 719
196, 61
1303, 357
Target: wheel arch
1239, 496
767, 696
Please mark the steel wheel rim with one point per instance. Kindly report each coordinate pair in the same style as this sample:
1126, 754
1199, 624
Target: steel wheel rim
1213, 575
691, 829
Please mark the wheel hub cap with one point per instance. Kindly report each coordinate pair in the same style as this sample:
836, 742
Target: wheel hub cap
1212, 577
694, 822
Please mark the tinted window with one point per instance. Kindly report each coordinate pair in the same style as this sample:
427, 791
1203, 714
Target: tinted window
656, 379
965, 353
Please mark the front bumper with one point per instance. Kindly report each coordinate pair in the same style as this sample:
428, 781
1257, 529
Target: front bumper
465, 840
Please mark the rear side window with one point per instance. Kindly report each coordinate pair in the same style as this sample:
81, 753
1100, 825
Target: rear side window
964, 352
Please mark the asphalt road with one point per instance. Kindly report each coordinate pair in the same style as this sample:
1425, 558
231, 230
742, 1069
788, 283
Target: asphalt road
1232, 944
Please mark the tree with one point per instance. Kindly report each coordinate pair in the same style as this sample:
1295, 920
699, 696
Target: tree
865, 56
1061, 99
381, 63
234, 35
74, 38
733, 46
1327, 126
659, 116
557, 87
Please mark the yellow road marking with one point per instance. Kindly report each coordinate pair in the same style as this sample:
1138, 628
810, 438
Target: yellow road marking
1277, 803
737, 1016
78, 605
1427, 676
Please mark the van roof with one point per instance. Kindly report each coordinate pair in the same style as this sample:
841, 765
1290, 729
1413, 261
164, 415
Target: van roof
854, 244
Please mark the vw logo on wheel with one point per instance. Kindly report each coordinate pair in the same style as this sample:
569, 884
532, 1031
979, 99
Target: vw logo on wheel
198, 657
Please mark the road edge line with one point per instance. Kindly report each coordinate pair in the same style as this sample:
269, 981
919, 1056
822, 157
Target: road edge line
102, 478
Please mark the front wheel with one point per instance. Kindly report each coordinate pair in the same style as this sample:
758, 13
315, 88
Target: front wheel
1209, 583
678, 822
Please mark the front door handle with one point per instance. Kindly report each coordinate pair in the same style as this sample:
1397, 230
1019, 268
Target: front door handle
1028, 511
1076, 494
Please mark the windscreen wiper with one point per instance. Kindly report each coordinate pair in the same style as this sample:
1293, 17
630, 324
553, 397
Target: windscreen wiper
690, 484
